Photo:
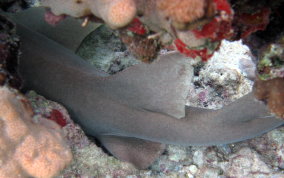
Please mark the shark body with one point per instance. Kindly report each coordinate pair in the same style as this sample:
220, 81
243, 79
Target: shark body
135, 112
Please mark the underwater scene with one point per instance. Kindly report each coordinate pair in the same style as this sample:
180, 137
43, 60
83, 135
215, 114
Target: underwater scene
141, 88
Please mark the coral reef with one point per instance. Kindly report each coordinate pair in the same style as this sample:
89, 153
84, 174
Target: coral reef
194, 27
30, 145
272, 92
266, 44
207, 22
89, 160
116, 13
205, 25
205, 33
196, 36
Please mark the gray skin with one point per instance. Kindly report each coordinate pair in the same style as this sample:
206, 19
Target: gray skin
136, 111
74, 33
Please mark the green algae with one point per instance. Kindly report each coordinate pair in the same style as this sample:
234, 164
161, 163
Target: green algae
271, 63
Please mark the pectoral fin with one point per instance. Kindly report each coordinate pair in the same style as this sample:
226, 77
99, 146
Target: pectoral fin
140, 153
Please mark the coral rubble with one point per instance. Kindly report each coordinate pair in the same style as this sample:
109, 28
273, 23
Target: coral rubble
30, 145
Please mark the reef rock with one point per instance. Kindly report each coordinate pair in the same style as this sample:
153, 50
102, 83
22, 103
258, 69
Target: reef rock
224, 78
31, 146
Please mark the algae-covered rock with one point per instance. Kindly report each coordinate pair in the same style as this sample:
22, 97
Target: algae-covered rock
104, 50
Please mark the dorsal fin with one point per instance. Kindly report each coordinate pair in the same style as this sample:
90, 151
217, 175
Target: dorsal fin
161, 86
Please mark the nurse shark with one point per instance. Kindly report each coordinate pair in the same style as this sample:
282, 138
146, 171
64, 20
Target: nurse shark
135, 112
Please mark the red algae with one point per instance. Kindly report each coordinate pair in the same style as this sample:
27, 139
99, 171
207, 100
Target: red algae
57, 116
219, 28
254, 22
203, 53
137, 27
215, 30
223, 5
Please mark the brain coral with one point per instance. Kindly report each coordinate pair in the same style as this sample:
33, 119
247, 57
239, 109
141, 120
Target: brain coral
28, 148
